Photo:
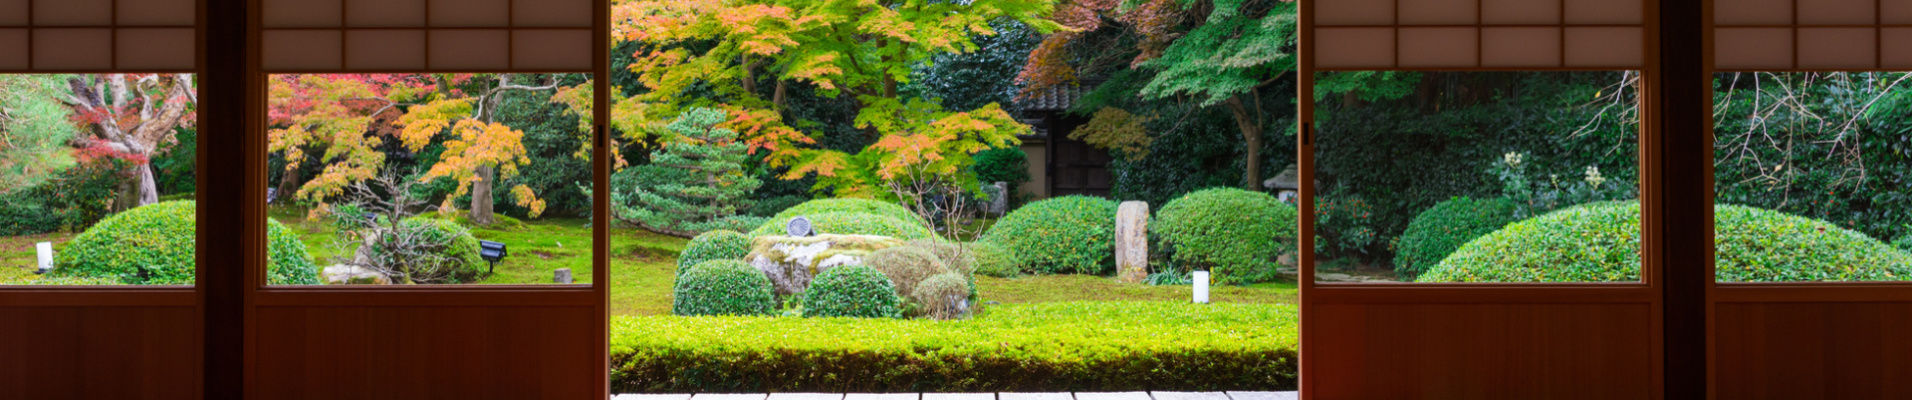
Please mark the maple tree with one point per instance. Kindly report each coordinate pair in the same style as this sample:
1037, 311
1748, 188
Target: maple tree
133, 114
747, 55
351, 118
1214, 52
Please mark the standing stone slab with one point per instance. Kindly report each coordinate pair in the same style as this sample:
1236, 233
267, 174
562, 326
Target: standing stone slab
1112, 396
1132, 241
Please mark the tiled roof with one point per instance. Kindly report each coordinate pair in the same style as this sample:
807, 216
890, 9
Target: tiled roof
1058, 97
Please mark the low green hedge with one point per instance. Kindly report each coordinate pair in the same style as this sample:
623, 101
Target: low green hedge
714, 245
851, 223
1062, 235
1099, 346
1444, 228
1600, 242
1236, 234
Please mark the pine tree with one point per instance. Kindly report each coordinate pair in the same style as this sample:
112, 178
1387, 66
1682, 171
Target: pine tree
694, 184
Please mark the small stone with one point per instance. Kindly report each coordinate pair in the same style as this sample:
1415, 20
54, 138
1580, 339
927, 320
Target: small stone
562, 275
1132, 242
353, 275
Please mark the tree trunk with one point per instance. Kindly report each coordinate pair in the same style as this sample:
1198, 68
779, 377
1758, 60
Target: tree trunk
148, 189
1251, 135
481, 197
288, 184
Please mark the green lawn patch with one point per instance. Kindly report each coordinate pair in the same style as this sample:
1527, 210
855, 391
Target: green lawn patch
1103, 346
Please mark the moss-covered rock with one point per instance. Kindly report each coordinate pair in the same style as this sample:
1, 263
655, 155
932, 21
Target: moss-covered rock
791, 262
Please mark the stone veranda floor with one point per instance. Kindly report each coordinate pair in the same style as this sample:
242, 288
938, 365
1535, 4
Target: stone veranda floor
973, 396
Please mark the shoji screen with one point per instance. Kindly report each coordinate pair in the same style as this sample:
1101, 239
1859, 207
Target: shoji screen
1821, 73
1457, 335
118, 341
451, 338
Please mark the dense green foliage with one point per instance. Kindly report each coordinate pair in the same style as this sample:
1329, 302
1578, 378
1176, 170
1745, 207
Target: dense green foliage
154, 245
435, 250
1235, 234
24, 217
1439, 231
34, 280
694, 184
992, 259
1006, 164
34, 131
1034, 347
906, 266
552, 139
848, 205
714, 245
852, 291
943, 296
723, 287
1062, 235
851, 223
1600, 242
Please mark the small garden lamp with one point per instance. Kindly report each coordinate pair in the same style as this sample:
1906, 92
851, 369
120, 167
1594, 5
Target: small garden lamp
45, 250
1201, 286
492, 252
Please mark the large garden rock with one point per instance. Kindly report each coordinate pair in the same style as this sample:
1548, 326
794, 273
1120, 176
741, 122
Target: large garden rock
353, 275
791, 262
1132, 241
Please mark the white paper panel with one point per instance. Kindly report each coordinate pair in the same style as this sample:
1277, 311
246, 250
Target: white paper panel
1439, 47
157, 12
1836, 48
1354, 47
72, 12
1752, 12
1895, 11
470, 13
1835, 12
1354, 12
73, 49
551, 50
1604, 12
469, 49
1535, 12
13, 49
551, 13
1895, 45
154, 48
1438, 12
1752, 48
1605, 47
13, 12
385, 13
385, 49
1520, 47
302, 13
301, 50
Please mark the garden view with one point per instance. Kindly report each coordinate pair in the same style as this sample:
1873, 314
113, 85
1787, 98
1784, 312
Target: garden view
820, 195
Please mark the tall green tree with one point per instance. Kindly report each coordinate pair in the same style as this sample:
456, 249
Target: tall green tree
34, 130
696, 183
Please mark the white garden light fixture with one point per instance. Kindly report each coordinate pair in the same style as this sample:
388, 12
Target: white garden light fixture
1201, 286
46, 256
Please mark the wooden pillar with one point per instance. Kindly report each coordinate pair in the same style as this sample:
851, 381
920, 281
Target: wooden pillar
1679, 103
223, 205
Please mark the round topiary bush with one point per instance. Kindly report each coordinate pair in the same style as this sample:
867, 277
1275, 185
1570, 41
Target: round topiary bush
1600, 242
723, 287
847, 205
456, 260
851, 223
714, 245
153, 245
943, 296
1234, 233
1440, 230
905, 266
852, 291
1069, 234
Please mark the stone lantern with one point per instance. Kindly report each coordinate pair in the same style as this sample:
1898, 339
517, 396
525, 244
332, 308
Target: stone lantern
1287, 184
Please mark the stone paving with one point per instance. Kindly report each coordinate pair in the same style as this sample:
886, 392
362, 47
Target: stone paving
972, 396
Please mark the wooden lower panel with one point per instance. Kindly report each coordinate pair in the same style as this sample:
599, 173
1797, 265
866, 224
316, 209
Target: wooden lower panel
99, 353
426, 353
1813, 350
1470, 351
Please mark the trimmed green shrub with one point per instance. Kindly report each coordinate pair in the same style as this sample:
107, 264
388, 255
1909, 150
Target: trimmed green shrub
992, 259
154, 245
851, 291
1600, 242
905, 266
723, 287
17, 219
1234, 233
944, 296
714, 245
851, 223
845, 205
1076, 346
770, 207
1069, 234
1442, 229
695, 182
457, 260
